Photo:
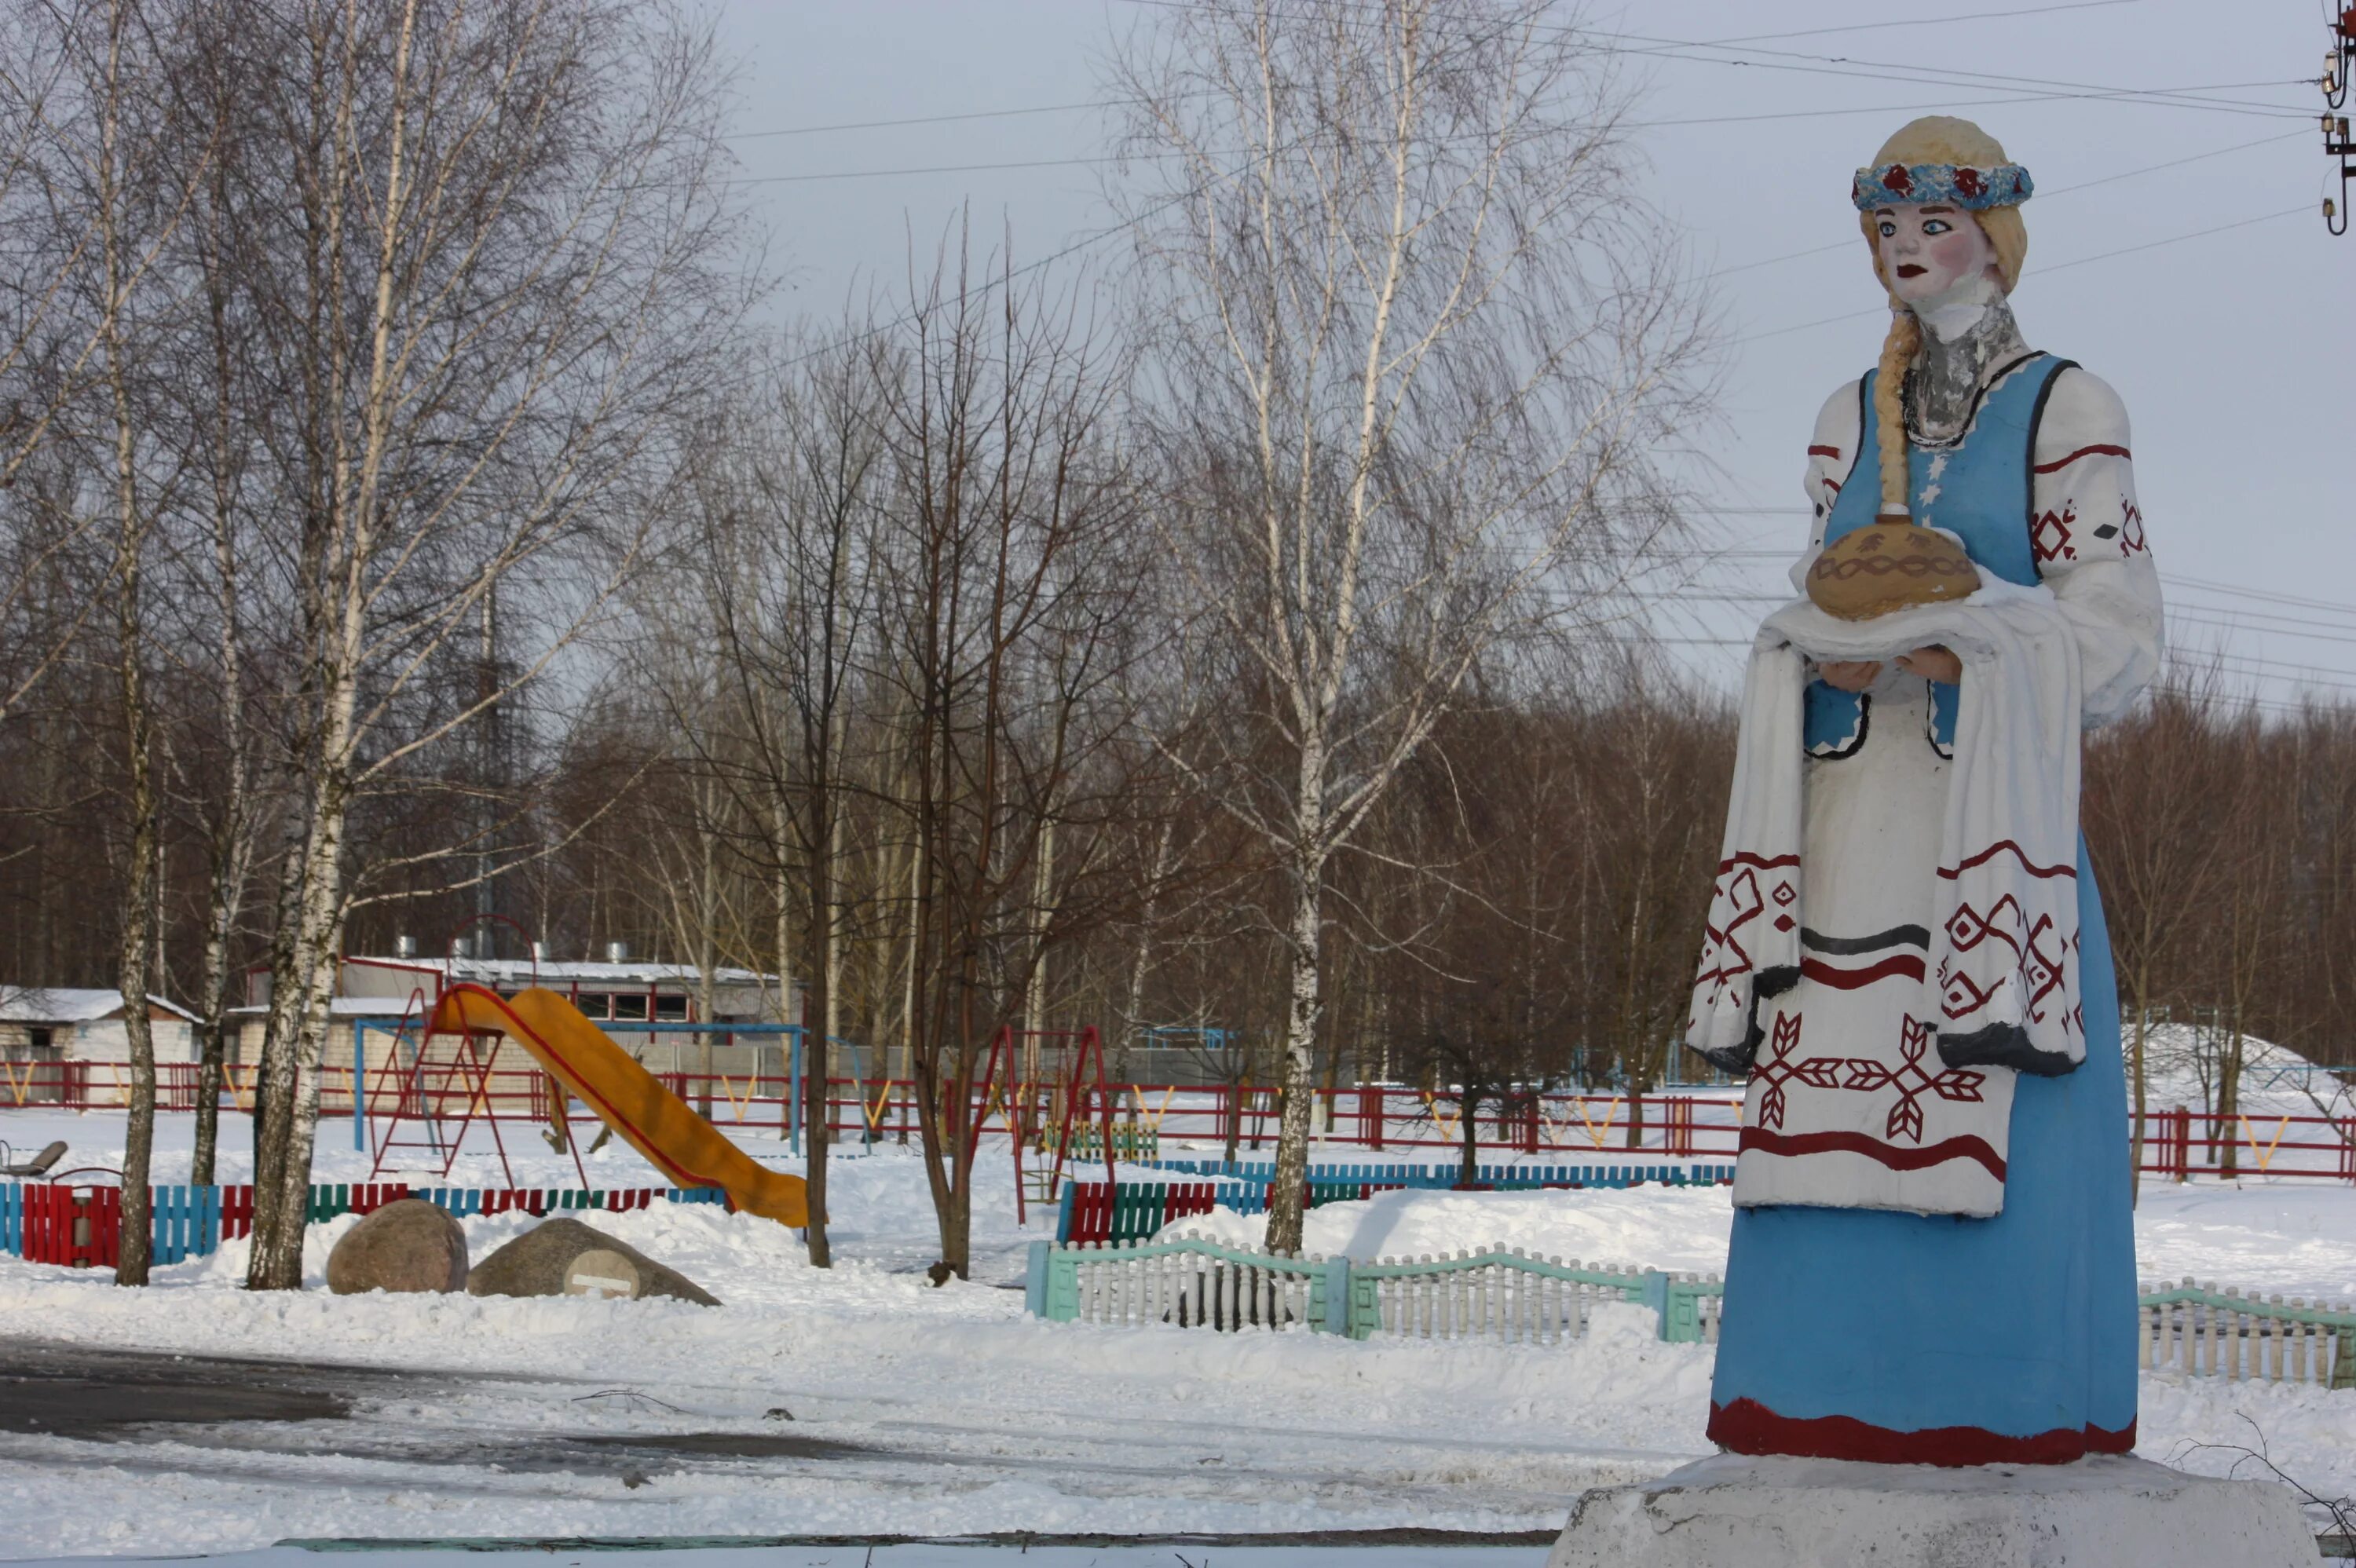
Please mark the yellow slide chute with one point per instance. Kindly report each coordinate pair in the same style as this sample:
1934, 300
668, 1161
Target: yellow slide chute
627, 1098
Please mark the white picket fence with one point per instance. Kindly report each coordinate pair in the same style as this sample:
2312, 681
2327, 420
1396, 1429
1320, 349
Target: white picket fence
1195, 1282
2203, 1331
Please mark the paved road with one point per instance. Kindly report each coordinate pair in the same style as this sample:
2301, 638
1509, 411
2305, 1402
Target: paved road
495, 1450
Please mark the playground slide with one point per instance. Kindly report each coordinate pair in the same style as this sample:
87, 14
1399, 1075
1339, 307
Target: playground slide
627, 1098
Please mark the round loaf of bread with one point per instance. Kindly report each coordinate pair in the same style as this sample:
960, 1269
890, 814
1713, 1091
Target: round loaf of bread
1888, 566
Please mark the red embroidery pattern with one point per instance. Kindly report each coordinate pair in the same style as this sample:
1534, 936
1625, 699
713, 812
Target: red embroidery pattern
2060, 463
2131, 540
2050, 536
1909, 1079
2000, 846
1832, 451
1735, 902
1776, 1067
1904, 966
2040, 953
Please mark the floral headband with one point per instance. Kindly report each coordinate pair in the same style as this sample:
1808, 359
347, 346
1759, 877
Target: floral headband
1955, 185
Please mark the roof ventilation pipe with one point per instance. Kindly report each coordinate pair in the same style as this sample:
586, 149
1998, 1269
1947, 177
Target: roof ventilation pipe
618, 953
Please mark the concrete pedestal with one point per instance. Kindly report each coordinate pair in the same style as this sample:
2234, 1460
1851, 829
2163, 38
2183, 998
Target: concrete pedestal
1736, 1511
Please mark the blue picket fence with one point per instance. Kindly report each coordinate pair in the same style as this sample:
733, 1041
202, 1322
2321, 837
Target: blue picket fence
188, 1223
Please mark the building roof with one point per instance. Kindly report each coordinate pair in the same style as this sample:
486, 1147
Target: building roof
69, 1005
505, 970
337, 1007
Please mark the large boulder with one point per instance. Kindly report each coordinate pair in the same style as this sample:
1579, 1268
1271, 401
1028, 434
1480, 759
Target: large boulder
406, 1245
565, 1257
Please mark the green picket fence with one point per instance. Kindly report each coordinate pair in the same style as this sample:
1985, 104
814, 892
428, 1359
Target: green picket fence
1132, 1144
1499, 1294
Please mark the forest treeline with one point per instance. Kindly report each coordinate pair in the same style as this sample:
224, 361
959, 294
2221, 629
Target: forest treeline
414, 510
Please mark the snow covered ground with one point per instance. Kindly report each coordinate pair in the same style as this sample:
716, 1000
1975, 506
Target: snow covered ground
959, 1412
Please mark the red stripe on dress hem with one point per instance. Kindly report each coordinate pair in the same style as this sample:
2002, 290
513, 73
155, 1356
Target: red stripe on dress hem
2082, 452
1976, 1150
1906, 965
1824, 451
1747, 1426
2031, 867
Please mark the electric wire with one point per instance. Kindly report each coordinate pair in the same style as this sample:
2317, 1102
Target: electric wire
2043, 195
2042, 272
1825, 65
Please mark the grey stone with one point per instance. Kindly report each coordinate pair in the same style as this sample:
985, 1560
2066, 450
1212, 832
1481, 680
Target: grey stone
548, 1259
1733, 1511
406, 1245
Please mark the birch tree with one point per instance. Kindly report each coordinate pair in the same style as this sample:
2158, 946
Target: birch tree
489, 268
1417, 340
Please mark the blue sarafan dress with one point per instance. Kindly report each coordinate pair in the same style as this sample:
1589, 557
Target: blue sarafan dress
1874, 1333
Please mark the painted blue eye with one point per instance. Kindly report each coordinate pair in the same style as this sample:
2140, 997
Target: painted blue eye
1888, 228
1936, 226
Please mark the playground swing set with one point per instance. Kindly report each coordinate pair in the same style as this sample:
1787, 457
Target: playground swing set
449, 1066
447, 1048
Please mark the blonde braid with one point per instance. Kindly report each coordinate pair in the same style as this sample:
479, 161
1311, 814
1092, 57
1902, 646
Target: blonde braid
1890, 407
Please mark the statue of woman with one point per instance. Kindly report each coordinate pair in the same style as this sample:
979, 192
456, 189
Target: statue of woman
1933, 1254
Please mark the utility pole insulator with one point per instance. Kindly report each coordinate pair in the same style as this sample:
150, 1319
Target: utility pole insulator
2336, 145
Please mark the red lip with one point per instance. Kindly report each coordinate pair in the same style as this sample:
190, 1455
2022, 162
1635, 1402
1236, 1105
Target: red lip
1909, 270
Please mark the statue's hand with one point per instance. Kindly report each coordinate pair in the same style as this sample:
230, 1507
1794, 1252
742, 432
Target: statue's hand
1850, 675
1934, 663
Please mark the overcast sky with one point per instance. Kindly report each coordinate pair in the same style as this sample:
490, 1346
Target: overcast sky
2233, 349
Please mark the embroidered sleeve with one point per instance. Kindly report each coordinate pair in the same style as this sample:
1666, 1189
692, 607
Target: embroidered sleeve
2087, 532
1832, 454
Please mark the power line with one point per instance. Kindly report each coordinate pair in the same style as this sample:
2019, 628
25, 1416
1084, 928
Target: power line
2056, 267
922, 169
1921, 21
2043, 195
929, 119
1666, 47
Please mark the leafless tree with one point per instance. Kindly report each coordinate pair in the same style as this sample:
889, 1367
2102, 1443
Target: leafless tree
2151, 782
1418, 341
1008, 605
792, 592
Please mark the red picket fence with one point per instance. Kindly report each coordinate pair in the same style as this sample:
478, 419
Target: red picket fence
1697, 1125
2181, 1143
77, 1226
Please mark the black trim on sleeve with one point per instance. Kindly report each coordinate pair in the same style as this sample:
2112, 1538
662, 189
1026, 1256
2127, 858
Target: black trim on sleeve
2002, 1045
2028, 460
1765, 986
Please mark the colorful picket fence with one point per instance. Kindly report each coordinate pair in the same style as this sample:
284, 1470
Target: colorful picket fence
81, 1226
1127, 1210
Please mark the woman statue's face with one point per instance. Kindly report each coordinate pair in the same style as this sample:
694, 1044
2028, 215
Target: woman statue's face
1926, 250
